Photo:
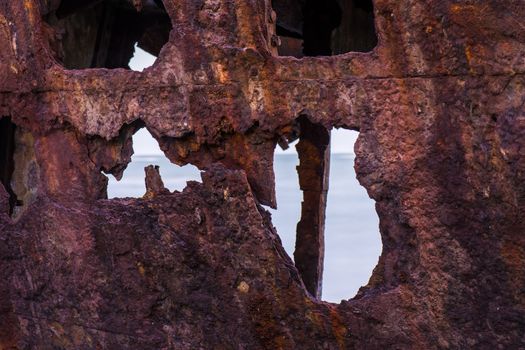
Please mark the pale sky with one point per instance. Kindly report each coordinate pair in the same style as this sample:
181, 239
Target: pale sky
141, 60
144, 144
342, 142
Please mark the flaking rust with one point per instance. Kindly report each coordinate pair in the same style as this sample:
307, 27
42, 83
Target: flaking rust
438, 103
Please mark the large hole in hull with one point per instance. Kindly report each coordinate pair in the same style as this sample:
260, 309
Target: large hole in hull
352, 240
148, 152
104, 34
141, 60
324, 28
352, 243
289, 196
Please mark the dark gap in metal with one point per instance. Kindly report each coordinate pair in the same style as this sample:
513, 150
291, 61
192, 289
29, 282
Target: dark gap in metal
103, 33
320, 18
356, 32
7, 164
325, 27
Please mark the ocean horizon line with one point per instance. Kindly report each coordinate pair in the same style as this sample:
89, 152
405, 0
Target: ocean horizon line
145, 155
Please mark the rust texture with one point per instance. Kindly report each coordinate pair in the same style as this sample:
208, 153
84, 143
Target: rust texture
314, 156
439, 106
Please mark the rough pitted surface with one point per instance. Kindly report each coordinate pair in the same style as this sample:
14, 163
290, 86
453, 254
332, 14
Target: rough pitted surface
439, 104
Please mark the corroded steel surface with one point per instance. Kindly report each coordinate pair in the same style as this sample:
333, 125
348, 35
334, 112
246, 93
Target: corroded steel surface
439, 104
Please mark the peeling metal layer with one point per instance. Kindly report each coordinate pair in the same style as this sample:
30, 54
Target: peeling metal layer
439, 105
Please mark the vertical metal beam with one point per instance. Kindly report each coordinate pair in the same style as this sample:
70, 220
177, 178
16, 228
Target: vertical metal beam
314, 167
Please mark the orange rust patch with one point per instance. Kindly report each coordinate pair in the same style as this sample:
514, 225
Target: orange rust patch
468, 54
514, 257
141, 269
28, 4
456, 8
338, 327
267, 328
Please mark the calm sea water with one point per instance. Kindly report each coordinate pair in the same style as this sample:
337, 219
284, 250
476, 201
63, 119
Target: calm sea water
352, 240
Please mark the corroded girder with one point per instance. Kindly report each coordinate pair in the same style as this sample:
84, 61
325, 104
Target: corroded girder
439, 107
313, 170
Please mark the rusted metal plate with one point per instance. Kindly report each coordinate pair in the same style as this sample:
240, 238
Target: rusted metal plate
439, 107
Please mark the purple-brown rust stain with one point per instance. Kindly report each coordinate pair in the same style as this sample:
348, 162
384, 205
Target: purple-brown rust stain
313, 170
439, 107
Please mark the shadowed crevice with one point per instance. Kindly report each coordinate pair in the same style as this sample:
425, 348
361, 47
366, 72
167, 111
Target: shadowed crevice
356, 32
103, 34
7, 164
325, 28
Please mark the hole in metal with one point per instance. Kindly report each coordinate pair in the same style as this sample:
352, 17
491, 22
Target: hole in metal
351, 243
103, 34
148, 152
324, 28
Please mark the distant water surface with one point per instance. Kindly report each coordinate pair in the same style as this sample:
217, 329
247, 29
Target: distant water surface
352, 238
